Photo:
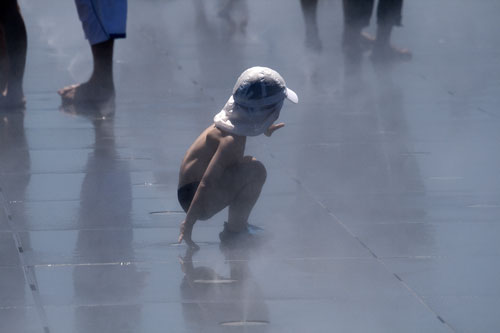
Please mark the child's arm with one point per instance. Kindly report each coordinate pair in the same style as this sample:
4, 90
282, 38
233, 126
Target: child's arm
227, 154
273, 128
185, 234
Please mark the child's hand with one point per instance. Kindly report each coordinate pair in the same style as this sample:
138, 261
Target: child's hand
185, 234
273, 128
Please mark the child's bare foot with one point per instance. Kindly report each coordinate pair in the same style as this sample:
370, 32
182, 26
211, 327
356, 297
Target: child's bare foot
250, 236
87, 92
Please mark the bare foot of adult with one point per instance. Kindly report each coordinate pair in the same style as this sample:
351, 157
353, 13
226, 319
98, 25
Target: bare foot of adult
390, 54
366, 41
313, 42
87, 92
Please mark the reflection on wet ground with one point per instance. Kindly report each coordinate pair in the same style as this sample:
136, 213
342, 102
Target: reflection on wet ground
382, 195
211, 301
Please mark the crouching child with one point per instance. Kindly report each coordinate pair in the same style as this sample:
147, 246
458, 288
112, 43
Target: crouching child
215, 173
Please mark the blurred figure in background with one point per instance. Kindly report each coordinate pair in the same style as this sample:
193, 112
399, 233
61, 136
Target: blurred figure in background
102, 22
235, 13
357, 15
309, 10
13, 46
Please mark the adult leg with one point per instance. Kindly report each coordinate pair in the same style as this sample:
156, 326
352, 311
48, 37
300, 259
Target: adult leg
235, 13
357, 15
388, 16
16, 43
102, 74
100, 86
4, 63
102, 21
309, 10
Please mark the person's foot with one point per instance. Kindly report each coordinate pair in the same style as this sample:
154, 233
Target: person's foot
11, 103
313, 42
352, 50
366, 41
225, 15
357, 42
251, 235
87, 92
389, 53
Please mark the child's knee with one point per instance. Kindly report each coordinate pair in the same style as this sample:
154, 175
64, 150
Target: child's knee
206, 213
204, 217
249, 171
259, 172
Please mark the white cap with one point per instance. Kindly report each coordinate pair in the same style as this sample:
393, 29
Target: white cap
256, 102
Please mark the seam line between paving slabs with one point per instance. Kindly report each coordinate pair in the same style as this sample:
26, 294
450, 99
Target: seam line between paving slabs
415, 294
28, 271
379, 260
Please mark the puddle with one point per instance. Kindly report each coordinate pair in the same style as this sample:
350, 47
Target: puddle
167, 212
199, 243
413, 153
445, 178
145, 184
218, 281
244, 323
134, 158
483, 206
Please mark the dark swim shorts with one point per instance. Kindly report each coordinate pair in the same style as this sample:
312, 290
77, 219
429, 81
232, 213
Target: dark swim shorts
186, 193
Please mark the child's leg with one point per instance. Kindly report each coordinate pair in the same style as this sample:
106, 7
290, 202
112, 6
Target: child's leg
247, 181
239, 189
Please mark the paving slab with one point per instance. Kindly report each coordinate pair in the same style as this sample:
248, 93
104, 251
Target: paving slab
382, 199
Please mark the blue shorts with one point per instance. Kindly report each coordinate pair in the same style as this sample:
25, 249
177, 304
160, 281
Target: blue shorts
102, 19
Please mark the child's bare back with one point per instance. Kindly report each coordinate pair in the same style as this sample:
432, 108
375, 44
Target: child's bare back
203, 149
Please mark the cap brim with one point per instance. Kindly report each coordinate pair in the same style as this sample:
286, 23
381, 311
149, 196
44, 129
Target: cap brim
292, 96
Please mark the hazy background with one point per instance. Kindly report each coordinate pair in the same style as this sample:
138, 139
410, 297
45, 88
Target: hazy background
382, 193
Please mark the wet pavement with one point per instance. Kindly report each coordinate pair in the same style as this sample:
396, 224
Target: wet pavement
382, 197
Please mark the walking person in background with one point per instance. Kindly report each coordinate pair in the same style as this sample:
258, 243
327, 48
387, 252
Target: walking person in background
309, 11
357, 15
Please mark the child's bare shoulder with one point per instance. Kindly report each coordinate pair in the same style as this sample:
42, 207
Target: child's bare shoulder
226, 142
223, 137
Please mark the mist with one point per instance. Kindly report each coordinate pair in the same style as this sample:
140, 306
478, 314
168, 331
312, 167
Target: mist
381, 205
